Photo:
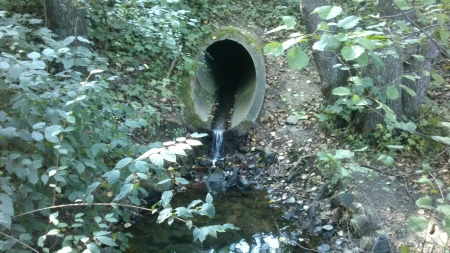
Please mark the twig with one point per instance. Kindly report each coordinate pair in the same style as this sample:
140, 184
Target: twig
437, 183
446, 149
12, 238
171, 68
420, 28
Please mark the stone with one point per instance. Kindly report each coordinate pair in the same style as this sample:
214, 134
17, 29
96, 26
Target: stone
269, 157
342, 200
244, 149
366, 243
360, 224
216, 181
356, 208
323, 248
292, 120
382, 244
243, 184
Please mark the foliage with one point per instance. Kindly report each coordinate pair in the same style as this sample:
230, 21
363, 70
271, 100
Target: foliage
60, 138
337, 167
362, 41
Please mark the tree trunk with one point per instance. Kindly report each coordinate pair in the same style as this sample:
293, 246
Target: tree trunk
330, 77
66, 18
393, 73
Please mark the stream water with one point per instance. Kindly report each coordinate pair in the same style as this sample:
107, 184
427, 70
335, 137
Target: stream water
217, 145
262, 229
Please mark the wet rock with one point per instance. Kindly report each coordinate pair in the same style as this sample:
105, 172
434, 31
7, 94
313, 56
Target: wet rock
360, 224
323, 248
233, 177
243, 184
342, 200
269, 157
292, 120
244, 149
205, 162
216, 181
153, 188
382, 244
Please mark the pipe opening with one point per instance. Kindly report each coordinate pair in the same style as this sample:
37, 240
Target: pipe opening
233, 73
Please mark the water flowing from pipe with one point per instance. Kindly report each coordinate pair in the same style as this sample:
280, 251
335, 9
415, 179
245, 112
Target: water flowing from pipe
217, 145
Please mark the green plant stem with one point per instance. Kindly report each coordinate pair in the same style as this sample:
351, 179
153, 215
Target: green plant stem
12, 238
94, 204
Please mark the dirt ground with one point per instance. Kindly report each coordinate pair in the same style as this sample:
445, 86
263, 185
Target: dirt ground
390, 199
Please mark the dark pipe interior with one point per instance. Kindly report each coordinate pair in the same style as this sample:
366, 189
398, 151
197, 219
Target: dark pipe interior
231, 66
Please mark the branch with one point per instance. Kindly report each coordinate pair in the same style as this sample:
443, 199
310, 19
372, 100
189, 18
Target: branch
423, 31
12, 238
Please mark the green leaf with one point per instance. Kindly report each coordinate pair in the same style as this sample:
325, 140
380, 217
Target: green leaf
344, 154
392, 92
405, 249
386, 160
168, 156
366, 43
142, 166
446, 223
165, 181
106, 240
197, 135
51, 132
408, 90
348, 22
425, 202
438, 78
445, 209
328, 12
189, 224
208, 209
445, 140
296, 58
327, 42
93, 248
92, 187
182, 180
200, 234
157, 160
183, 212
376, 59
124, 191
417, 224
274, 48
166, 198
112, 176
194, 203
352, 52
341, 91
362, 60
402, 4
209, 198
34, 55
289, 22
37, 136
68, 40
164, 214
423, 180
124, 162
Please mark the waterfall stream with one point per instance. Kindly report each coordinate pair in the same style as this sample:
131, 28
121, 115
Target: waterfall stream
217, 145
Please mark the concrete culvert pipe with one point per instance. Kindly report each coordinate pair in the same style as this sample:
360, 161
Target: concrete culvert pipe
227, 90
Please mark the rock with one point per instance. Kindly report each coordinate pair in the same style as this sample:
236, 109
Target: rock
153, 188
244, 149
361, 224
356, 208
269, 157
342, 200
216, 181
243, 184
366, 243
204, 162
382, 244
323, 248
292, 120
233, 178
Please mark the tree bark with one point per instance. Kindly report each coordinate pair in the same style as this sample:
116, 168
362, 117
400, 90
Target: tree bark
66, 18
330, 77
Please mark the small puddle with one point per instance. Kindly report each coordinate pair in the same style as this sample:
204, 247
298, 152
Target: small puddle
262, 228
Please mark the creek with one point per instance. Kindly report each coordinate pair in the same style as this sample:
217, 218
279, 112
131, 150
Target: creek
262, 228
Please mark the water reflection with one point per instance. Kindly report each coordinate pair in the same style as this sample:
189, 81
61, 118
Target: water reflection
259, 226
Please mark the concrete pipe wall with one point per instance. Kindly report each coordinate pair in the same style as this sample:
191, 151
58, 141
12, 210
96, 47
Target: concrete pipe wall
227, 90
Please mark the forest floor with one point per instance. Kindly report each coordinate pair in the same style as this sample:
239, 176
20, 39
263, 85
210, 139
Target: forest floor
390, 199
